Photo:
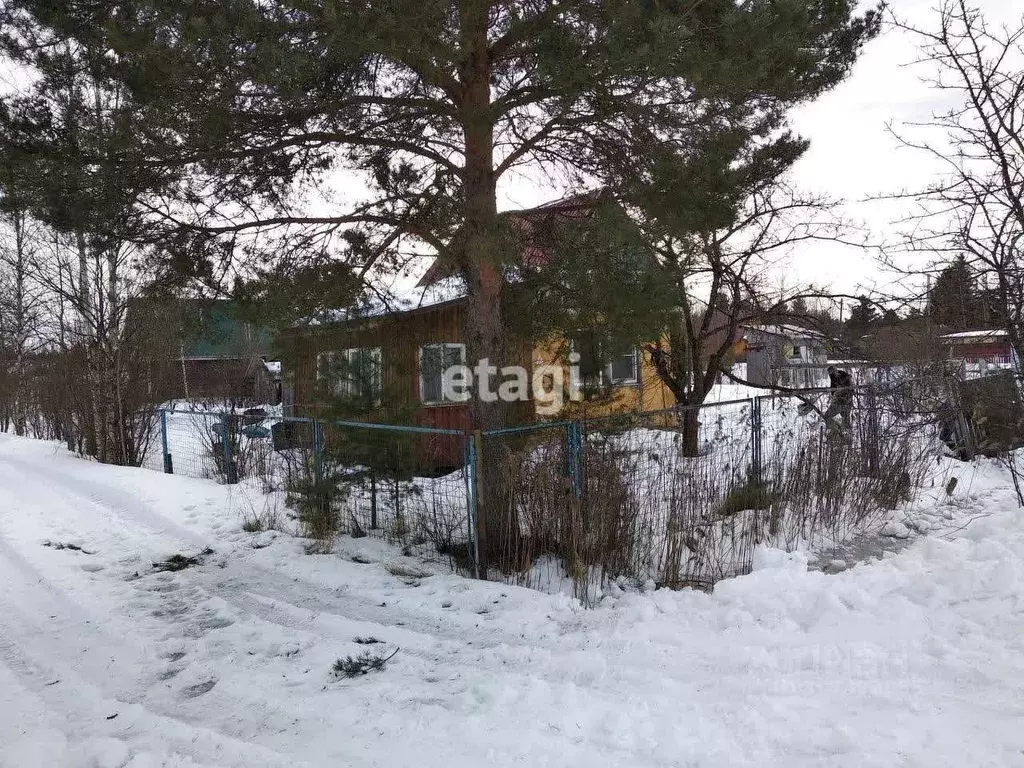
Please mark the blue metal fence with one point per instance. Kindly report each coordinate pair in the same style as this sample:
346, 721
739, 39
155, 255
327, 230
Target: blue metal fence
622, 495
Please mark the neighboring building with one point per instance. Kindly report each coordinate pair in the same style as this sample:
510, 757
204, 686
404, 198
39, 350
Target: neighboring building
769, 354
222, 357
784, 354
979, 352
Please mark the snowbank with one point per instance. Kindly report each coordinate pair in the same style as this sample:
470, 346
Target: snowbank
913, 659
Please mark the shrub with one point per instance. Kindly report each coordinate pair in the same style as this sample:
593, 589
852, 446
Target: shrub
252, 525
753, 494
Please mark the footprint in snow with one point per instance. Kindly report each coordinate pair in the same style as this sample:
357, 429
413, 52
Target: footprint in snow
199, 689
215, 622
164, 587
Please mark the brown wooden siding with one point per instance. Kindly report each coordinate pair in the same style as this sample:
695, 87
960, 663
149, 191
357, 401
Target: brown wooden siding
400, 337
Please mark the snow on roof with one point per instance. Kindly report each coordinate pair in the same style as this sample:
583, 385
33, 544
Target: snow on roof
419, 297
789, 331
990, 334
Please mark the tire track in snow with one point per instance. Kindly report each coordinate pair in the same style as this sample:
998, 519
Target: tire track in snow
256, 593
97, 672
248, 607
263, 594
302, 595
489, 651
82, 710
88, 675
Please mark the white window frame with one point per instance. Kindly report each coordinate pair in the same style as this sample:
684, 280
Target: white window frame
345, 387
604, 374
631, 381
444, 346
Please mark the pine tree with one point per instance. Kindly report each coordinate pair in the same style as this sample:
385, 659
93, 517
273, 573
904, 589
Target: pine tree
954, 301
431, 103
862, 315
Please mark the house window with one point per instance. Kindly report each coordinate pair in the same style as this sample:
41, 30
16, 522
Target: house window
599, 369
435, 359
352, 374
623, 368
797, 352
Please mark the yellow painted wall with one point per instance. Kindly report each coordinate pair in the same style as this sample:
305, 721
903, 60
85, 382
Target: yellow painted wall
650, 394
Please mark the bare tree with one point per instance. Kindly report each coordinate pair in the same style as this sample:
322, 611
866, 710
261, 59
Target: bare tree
721, 281
977, 208
20, 311
92, 263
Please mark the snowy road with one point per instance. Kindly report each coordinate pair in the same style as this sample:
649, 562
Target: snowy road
917, 660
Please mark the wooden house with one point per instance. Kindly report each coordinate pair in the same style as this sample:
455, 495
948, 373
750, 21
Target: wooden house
980, 352
217, 354
390, 363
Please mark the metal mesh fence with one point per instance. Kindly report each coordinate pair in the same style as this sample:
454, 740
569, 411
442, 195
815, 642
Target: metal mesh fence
683, 497
403, 484
680, 497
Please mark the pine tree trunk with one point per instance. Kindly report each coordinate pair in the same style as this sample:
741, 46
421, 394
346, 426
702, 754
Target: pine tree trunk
481, 265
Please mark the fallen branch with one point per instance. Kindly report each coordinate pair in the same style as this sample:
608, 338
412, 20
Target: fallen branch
181, 562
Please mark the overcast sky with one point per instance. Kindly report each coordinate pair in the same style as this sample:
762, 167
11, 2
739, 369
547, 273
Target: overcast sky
853, 156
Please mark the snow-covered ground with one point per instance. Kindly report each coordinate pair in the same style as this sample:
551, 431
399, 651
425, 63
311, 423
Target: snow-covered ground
916, 659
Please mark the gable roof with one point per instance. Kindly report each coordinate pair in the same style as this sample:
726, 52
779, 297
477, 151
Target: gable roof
217, 330
207, 329
528, 225
787, 331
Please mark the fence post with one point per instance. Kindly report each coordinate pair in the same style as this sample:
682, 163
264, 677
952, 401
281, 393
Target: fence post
574, 456
469, 449
873, 432
318, 452
168, 462
755, 440
479, 505
229, 461
373, 501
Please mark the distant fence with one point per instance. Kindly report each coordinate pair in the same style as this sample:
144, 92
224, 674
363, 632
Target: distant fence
680, 497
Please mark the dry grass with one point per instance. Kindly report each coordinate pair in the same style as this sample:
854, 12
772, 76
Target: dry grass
645, 510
